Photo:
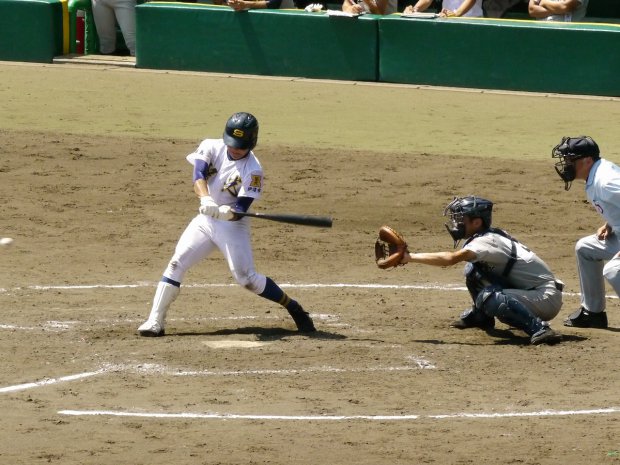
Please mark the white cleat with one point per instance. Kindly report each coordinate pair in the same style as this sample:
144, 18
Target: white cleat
151, 329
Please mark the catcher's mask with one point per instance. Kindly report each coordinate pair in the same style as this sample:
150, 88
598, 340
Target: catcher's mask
470, 206
241, 131
569, 150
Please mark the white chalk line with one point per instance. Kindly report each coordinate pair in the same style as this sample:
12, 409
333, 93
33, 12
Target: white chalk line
417, 363
404, 417
423, 287
147, 368
50, 381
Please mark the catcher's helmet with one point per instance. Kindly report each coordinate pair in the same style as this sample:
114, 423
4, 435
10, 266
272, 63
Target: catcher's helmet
569, 150
241, 131
470, 206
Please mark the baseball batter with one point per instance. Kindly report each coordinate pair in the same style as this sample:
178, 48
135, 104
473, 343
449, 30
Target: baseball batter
227, 178
506, 280
579, 158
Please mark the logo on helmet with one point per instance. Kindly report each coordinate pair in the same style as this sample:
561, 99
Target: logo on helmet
241, 131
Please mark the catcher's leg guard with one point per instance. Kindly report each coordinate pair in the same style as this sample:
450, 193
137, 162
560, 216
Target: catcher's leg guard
474, 281
474, 317
165, 294
508, 310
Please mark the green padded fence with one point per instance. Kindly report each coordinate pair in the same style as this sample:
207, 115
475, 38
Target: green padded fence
265, 42
513, 55
31, 30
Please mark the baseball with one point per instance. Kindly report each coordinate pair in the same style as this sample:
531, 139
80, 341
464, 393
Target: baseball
6, 241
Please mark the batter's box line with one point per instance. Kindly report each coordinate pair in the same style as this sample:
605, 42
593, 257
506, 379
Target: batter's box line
149, 368
158, 369
422, 287
316, 418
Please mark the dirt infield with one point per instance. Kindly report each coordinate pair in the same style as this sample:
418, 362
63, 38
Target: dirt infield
95, 216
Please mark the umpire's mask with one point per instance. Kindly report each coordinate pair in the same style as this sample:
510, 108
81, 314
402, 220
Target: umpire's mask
568, 151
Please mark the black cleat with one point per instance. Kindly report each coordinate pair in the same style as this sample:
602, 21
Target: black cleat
585, 319
472, 318
546, 336
302, 320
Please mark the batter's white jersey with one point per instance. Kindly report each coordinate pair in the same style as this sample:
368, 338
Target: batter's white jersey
228, 178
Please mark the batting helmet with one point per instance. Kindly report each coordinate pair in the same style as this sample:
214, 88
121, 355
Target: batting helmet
241, 131
470, 206
569, 150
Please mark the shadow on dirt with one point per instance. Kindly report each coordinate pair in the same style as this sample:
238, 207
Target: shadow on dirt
264, 334
505, 337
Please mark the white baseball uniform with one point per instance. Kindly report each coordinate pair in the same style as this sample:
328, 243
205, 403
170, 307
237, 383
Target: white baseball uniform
227, 180
603, 191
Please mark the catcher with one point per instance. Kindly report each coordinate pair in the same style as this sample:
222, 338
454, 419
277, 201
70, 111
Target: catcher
505, 279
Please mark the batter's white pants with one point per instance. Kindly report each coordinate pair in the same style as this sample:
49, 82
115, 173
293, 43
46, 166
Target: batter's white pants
106, 13
591, 256
205, 234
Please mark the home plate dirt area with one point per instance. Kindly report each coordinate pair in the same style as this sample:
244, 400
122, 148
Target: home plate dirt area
384, 380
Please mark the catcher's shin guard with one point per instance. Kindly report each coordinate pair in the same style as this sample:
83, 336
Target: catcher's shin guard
508, 310
473, 318
165, 294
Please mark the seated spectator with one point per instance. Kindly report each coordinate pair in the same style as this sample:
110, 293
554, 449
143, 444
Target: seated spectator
471, 8
498, 8
558, 10
375, 7
241, 5
106, 14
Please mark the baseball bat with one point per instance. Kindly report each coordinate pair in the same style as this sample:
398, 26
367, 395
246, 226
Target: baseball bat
305, 220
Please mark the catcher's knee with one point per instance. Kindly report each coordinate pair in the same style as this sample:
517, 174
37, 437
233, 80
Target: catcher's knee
251, 280
474, 280
491, 300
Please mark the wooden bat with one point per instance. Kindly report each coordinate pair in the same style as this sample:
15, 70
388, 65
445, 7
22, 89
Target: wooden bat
305, 220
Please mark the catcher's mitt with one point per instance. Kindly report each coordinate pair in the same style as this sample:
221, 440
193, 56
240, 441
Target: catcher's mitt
390, 248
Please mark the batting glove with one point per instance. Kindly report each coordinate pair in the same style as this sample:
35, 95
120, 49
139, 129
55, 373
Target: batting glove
224, 213
208, 206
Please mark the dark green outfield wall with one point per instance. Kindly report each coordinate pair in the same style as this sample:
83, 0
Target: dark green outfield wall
500, 54
266, 42
539, 56
580, 58
30, 30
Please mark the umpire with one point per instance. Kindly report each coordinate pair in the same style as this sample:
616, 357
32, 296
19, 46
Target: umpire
579, 158
506, 280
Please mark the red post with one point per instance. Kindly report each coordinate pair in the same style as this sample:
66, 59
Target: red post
79, 32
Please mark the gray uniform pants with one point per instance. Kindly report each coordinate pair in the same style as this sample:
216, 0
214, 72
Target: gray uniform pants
106, 13
591, 256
